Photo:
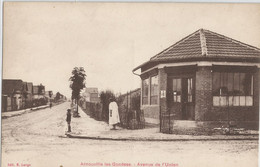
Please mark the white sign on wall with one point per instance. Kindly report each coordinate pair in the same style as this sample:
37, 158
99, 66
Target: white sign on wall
163, 93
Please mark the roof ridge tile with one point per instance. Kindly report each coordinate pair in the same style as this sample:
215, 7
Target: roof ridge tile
203, 43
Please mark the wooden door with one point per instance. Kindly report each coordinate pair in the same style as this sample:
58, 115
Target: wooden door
180, 98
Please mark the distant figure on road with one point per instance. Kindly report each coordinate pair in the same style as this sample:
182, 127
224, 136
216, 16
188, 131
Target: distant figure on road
68, 119
50, 105
113, 113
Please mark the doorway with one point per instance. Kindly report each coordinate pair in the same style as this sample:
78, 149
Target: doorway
180, 97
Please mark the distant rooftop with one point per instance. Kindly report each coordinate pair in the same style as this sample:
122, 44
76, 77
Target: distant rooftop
10, 86
91, 90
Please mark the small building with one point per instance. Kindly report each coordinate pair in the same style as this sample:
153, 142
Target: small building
39, 95
204, 79
38, 91
91, 95
14, 92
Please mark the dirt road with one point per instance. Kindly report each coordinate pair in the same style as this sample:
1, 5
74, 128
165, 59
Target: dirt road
37, 139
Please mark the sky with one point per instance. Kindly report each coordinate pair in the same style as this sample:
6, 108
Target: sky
44, 41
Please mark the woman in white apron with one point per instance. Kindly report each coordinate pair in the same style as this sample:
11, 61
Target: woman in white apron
113, 114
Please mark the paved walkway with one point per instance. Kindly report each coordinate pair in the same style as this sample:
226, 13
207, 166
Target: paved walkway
85, 127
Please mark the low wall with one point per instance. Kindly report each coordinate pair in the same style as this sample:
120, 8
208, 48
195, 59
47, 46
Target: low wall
169, 125
252, 125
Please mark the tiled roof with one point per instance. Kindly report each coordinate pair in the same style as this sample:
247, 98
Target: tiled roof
187, 47
204, 45
10, 86
221, 46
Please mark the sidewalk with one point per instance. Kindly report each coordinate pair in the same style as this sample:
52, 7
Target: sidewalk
20, 112
85, 127
28, 110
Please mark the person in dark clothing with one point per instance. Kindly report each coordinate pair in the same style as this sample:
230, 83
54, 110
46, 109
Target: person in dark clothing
68, 119
50, 105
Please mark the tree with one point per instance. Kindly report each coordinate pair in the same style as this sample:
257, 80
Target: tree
41, 89
104, 99
58, 95
77, 83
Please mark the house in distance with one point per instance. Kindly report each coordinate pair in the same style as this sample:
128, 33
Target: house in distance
204, 79
91, 95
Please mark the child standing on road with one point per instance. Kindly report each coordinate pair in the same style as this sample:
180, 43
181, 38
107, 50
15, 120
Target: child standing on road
68, 119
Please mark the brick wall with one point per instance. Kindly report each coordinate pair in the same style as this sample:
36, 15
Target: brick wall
163, 87
166, 123
203, 92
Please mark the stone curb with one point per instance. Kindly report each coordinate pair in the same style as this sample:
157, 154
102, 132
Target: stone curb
24, 111
29, 110
154, 139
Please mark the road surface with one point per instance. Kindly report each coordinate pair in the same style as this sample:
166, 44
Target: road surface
37, 139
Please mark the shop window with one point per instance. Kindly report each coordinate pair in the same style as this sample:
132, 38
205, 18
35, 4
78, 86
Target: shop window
232, 89
145, 89
150, 90
154, 90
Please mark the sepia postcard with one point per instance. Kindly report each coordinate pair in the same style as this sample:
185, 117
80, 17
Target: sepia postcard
98, 84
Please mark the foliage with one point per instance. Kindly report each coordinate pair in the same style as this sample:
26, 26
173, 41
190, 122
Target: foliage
39, 102
41, 89
77, 81
104, 99
58, 96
